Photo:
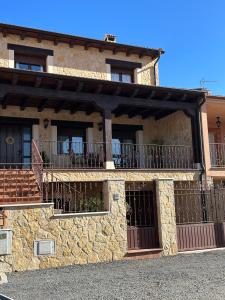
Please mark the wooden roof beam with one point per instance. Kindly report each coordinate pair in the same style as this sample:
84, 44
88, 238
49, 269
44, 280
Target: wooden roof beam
117, 91
163, 114
99, 89
151, 95
60, 106
23, 103
80, 87
135, 92
41, 107
38, 82
59, 84
75, 108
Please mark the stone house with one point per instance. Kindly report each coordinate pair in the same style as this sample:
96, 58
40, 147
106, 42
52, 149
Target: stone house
92, 151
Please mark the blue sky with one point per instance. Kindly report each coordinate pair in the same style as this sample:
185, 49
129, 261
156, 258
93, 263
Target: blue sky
192, 32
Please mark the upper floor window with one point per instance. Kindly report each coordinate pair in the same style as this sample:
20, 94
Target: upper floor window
30, 63
30, 58
122, 75
122, 71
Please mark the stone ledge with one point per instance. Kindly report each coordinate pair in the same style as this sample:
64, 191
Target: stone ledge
74, 215
26, 205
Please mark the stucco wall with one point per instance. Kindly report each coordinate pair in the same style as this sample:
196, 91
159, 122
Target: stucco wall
79, 240
80, 62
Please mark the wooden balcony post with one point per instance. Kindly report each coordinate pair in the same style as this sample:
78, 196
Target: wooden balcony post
107, 138
196, 137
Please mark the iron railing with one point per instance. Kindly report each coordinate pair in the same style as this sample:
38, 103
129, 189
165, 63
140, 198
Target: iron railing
70, 155
37, 165
136, 156
199, 202
73, 197
217, 155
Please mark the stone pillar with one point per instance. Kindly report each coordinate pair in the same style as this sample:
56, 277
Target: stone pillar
166, 216
140, 147
107, 139
115, 203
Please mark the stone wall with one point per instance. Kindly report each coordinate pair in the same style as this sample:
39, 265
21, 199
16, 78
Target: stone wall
166, 216
79, 62
79, 239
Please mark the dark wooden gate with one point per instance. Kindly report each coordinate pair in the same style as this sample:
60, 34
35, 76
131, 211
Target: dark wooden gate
142, 231
200, 215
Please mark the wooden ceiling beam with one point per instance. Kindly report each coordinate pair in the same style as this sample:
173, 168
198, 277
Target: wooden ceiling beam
59, 84
4, 102
23, 103
41, 107
75, 108
80, 87
151, 95
15, 79
38, 82
117, 91
134, 93
99, 89
163, 114
60, 106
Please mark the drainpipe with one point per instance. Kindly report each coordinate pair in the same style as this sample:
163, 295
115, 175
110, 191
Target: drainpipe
203, 100
154, 66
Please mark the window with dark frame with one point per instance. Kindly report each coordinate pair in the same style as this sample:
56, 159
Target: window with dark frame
30, 62
122, 75
71, 140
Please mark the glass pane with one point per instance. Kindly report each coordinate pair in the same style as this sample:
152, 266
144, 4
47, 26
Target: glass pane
115, 77
22, 66
63, 145
26, 149
26, 162
126, 78
116, 147
36, 68
27, 134
77, 145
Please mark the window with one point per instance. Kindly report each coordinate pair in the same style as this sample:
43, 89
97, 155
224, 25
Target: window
122, 75
71, 140
30, 63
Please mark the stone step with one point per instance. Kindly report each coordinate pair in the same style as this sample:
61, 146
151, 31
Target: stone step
144, 253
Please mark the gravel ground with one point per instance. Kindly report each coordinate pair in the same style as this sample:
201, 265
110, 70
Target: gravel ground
189, 276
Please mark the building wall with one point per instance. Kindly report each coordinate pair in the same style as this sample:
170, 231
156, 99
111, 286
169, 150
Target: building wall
79, 239
83, 239
79, 62
174, 129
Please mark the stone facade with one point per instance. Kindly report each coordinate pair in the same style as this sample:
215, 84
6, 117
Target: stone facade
166, 216
79, 239
79, 62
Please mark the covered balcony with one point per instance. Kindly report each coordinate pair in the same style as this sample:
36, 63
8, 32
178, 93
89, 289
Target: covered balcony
213, 116
81, 123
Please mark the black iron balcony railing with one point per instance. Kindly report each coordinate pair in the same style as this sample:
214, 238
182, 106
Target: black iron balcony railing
217, 155
148, 156
72, 155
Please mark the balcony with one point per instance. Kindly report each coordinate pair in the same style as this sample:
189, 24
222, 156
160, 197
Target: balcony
217, 155
73, 155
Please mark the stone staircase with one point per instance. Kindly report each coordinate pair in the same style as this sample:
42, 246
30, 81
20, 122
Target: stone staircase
18, 186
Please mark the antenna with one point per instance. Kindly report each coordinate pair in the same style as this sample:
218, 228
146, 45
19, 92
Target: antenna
203, 81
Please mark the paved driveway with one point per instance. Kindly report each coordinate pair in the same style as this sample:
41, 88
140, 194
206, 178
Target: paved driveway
192, 276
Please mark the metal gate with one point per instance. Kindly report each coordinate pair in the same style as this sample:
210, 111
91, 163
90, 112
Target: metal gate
200, 215
142, 231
